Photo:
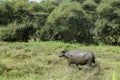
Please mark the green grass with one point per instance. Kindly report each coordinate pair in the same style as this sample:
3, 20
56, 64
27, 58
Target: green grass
40, 61
114, 76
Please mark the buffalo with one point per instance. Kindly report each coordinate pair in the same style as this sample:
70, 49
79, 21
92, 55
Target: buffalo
78, 57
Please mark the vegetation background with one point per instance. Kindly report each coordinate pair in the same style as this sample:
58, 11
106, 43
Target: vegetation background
40, 61
89, 21
55, 25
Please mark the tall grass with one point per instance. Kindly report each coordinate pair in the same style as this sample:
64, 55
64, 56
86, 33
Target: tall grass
40, 61
114, 76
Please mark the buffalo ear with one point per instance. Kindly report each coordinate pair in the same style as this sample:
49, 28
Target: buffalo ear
64, 51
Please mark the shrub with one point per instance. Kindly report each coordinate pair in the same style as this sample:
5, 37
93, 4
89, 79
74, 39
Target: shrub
17, 32
108, 23
67, 23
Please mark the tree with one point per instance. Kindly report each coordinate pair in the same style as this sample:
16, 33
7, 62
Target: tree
97, 1
67, 23
40, 13
90, 7
21, 11
6, 12
17, 32
108, 24
56, 2
81, 1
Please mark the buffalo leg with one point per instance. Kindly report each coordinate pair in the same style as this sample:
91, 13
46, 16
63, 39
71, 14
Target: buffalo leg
69, 63
78, 66
89, 64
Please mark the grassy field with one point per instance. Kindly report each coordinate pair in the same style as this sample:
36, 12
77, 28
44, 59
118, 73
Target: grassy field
40, 61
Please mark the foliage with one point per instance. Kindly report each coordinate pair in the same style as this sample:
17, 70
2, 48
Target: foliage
90, 7
6, 12
23, 12
65, 20
81, 1
90, 21
56, 2
97, 1
47, 6
108, 23
17, 32
40, 13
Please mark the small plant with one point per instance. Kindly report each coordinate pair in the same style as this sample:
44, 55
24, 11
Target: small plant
114, 76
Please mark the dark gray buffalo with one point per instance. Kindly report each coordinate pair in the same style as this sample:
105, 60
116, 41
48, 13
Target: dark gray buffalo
78, 57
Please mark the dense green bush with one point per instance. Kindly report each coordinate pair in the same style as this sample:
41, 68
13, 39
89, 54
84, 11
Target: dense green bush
40, 13
108, 23
81, 1
67, 23
90, 7
17, 32
23, 12
97, 1
65, 20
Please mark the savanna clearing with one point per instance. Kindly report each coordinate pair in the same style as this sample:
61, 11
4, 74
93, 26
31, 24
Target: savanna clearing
40, 61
